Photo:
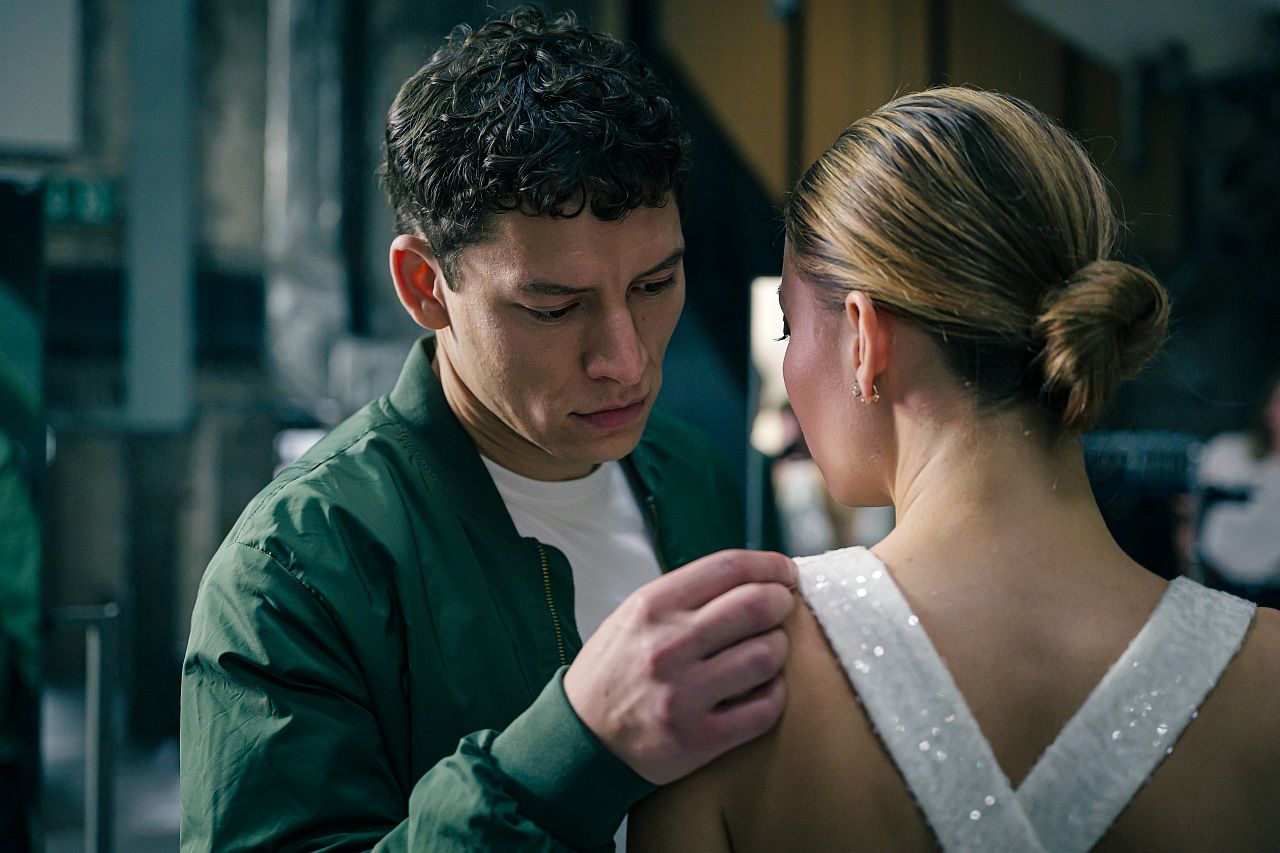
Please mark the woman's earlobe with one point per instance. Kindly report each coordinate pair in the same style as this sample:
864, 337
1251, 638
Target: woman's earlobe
866, 399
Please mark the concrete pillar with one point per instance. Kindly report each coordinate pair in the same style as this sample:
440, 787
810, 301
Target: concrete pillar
160, 229
159, 335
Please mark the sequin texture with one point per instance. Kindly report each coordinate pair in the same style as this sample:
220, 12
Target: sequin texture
1128, 724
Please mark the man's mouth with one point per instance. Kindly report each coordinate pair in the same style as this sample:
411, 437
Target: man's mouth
613, 417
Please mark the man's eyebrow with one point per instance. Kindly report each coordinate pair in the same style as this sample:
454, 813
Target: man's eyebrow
551, 288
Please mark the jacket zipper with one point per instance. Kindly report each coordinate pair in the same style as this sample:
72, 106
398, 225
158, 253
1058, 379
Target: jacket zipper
657, 532
551, 604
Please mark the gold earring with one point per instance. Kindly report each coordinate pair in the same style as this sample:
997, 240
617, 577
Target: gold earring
866, 401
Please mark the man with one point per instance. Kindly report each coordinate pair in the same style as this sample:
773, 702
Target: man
379, 656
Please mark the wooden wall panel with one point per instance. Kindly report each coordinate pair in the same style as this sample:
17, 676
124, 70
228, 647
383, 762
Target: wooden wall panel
734, 54
859, 56
1155, 211
992, 46
861, 53
1149, 197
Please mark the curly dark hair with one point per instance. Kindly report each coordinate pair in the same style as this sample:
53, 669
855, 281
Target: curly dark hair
531, 114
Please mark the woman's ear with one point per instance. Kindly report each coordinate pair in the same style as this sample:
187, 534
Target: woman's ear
872, 340
420, 281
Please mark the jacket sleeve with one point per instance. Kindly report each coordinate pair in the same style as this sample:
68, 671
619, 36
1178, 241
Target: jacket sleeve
281, 750
19, 592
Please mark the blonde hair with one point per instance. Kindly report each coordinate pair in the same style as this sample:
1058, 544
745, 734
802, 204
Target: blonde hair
971, 214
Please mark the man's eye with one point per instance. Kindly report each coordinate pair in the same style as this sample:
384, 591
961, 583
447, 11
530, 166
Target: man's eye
786, 331
652, 288
549, 316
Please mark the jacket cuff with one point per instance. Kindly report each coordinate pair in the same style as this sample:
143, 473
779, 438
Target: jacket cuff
562, 776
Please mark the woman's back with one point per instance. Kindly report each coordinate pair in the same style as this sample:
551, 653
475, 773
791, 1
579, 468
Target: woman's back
823, 780
956, 317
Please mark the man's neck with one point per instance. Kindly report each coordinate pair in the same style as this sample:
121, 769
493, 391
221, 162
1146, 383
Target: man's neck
494, 438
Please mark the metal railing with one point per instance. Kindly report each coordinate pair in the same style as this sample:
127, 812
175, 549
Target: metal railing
99, 623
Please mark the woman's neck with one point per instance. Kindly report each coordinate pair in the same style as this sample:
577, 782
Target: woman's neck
998, 483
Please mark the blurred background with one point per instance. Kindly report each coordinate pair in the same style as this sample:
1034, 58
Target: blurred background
193, 287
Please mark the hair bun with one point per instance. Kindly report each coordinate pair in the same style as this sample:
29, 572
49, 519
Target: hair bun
1098, 330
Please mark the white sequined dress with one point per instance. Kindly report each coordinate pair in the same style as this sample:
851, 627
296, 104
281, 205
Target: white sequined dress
1104, 754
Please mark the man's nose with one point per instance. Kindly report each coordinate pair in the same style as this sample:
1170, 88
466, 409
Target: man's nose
617, 352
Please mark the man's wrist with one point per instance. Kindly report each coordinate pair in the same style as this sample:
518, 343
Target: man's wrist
564, 778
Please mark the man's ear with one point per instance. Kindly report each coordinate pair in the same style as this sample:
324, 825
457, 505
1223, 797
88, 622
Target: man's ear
420, 281
873, 335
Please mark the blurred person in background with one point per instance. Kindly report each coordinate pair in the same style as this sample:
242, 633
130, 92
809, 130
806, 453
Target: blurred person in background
996, 674
1238, 483
388, 649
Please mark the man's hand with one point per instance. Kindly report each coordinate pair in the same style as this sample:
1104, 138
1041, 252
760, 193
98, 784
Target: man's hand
689, 666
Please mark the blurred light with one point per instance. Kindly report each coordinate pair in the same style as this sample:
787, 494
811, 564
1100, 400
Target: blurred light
768, 430
292, 443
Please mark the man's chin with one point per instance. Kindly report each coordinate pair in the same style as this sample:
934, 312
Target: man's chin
609, 446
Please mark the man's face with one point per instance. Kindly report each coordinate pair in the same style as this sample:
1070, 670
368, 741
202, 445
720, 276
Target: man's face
558, 328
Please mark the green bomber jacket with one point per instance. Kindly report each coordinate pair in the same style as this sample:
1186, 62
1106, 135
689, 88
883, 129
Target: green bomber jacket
376, 655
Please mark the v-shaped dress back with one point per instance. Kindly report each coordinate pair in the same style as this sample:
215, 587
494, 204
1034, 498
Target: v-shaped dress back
1104, 754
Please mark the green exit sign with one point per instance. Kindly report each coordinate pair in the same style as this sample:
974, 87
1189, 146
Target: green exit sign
80, 201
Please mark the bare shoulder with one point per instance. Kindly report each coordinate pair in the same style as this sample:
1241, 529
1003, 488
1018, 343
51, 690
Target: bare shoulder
1255, 672
1244, 709
1266, 633
682, 816
820, 779
1256, 668
821, 711
817, 780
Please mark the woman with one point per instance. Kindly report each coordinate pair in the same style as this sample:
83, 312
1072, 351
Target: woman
956, 320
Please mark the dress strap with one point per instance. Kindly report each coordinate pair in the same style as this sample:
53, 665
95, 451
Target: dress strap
1132, 719
914, 704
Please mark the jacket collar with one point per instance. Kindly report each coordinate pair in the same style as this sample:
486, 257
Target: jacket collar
451, 457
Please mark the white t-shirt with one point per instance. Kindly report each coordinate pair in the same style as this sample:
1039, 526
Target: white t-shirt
597, 523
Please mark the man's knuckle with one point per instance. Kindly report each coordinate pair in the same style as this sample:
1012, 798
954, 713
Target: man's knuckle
756, 608
643, 606
761, 663
648, 657
661, 654
775, 656
731, 562
666, 712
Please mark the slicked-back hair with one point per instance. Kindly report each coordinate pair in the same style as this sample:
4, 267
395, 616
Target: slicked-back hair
530, 114
976, 217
